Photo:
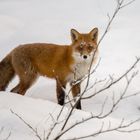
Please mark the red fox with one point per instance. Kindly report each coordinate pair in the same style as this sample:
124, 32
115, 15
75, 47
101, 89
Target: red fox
64, 63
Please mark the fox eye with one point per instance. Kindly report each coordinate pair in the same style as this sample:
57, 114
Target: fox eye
90, 47
80, 47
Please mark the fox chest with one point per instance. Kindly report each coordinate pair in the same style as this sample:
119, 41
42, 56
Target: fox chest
78, 72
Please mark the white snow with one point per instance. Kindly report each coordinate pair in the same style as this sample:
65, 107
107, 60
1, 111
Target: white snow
50, 21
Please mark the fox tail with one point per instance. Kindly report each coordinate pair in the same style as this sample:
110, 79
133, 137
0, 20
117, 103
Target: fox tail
6, 72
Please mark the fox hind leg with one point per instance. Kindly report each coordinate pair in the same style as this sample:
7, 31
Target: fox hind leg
24, 84
2, 88
25, 70
27, 76
15, 89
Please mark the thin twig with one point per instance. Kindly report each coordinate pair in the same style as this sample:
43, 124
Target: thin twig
117, 128
100, 116
8, 136
114, 82
27, 124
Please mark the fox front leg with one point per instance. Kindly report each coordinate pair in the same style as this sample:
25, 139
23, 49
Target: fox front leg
76, 89
60, 86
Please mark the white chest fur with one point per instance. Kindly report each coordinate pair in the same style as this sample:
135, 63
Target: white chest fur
79, 70
81, 66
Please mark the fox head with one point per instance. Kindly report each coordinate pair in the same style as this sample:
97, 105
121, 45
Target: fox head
84, 45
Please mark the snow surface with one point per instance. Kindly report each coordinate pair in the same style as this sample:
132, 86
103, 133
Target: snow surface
50, 21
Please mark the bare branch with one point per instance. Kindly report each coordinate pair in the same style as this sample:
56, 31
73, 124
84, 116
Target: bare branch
117, 128
88, 78
100, 115
128, 3
8, 136
27, 124
134, 94
116, 81
50, 132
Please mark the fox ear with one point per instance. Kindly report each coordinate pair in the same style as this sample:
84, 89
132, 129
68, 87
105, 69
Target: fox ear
94, 34
74, 35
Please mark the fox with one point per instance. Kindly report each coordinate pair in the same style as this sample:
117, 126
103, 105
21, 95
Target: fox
63, 63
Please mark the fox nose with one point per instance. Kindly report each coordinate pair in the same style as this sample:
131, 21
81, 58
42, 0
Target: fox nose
85, 56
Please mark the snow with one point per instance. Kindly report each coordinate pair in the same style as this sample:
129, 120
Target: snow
50, 21
37, 112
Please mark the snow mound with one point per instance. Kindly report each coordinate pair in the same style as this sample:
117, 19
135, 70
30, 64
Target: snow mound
36, 112
40, 114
